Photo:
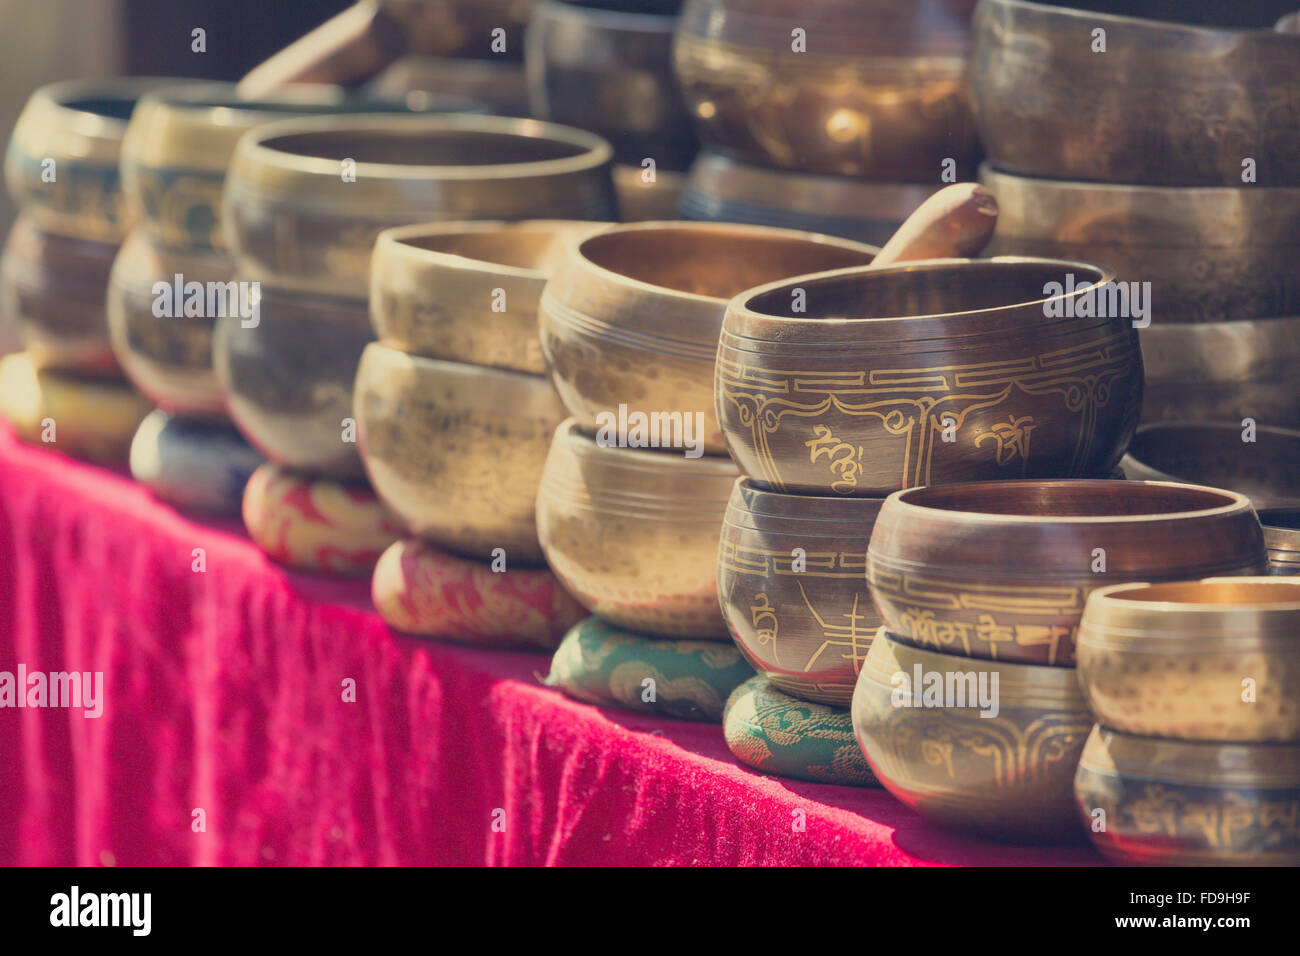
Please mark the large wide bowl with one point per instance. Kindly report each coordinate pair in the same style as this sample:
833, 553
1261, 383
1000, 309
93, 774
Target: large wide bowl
1001, 569
1008, 775
1178, 802
305, 199
1210, 254
288, 378
879, 90
610, 72
468, 292
632, 314
1223, 370
793, 590
52, 294
863, 382
166, 353
722, 189
1265, 469
1282, 539
456, 451
1216, 659
1181, 99
632, 533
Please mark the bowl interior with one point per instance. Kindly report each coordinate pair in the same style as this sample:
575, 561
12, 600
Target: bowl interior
1215, 454
1280, 518
1260, 15
1068, 499
444, 147
519, 247
714, 262
1279, 592
110, 107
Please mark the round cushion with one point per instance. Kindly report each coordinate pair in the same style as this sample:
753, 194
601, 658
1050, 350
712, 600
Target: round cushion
197, 465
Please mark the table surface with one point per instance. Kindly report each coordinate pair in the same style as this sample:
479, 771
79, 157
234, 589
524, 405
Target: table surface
226, 737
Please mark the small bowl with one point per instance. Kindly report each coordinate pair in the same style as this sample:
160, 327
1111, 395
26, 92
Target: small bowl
168, 357
632, 533
925, 373
645, 199
880, 92
1173, 660
632, 314
501, 87
455, 450
52, 291
1282, 539
721, 189
1002, 569
610, 72
1179, 99
467, 292
194, 465
292, 213
288, 379
1008, 775
1179, 803
1266, 469
1223, 370
793, 590
1210, 254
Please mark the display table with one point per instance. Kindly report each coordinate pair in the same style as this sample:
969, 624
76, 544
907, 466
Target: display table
226, 737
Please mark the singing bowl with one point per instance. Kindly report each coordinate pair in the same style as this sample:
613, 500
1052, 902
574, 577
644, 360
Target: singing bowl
1009, 775
180, 141
610, 72
793, 590
1001, 569
1210, 254
288, 378
52, 292
632, 314
1216, 659
166, 354
1185, 803
79, 125
501, 87
195, 465
1223, 370
863, 382
467, 292
1171, 101
1265, 469
462, 28
644, 199
291, 214
880, 92
632, 533
1282, 539
721, 189
456, 451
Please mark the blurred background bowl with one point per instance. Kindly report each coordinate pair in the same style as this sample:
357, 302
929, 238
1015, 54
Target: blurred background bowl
502, 87
1282, 539
463, 28
644, 199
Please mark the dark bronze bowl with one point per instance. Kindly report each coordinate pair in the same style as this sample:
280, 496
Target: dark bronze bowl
1282, 538
793, 591
1002, 569
924, 373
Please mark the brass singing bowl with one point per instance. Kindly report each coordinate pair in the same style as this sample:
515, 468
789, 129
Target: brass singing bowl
180, 140
1001, 569
456, 451
1178, 100
1282, 539
1008, 775
1266, 469
611, 72
52, 293
288, 378
1223, 370
645, 199
165, 353
632, 314
62, 161
866, 381
1210, 254
468, 292
880, 92
721, 189
632, 533
502, 87
305, 199
793, 590
1216, 659
1182, 803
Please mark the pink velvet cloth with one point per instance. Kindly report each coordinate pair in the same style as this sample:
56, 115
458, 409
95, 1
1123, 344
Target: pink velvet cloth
224, 693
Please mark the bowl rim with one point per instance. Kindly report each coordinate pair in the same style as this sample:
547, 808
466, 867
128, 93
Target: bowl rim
60, 96
395, 243
450, 369
989, 168
1130, 21
1024, 680
1107, 596
572, 435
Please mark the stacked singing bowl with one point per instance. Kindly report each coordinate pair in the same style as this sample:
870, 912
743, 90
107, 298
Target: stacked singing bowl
980, 588
455, 412
303, 204
1196, 756
62, 169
